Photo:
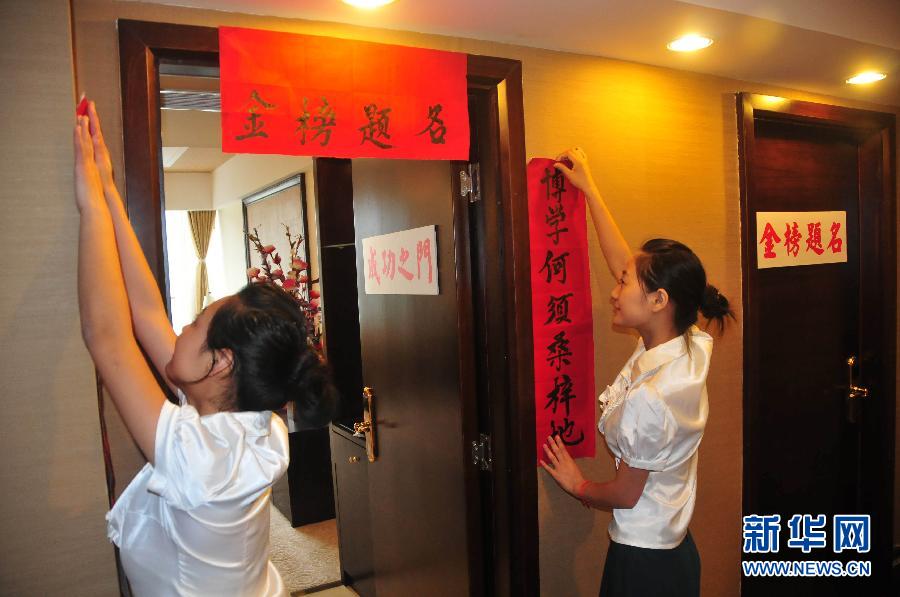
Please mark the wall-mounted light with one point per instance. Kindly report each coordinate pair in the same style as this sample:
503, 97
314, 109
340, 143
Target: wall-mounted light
689, 43
772, 100
866, 77
368, 3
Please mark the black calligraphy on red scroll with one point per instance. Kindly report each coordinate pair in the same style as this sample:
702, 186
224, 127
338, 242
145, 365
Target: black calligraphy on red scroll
561, 311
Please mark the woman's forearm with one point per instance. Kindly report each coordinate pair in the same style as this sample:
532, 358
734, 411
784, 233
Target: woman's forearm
148, 313
603, 496
612, 243
621, 492
103, 302
143, 293
151, 323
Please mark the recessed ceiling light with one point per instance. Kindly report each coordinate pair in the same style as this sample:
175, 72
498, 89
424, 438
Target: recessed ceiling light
866, 77
689, 43
367, 3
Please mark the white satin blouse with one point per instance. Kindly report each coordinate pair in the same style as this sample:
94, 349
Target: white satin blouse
196, 522
653, 418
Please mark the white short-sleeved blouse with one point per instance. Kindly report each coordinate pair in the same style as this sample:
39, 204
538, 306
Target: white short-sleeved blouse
196, 522
653, 418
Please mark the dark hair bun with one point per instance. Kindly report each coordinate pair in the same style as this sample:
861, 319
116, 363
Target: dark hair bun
273, 363
315, 396
715, 306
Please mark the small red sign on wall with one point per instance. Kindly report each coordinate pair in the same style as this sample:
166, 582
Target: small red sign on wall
294, 94
403, 262
800, 238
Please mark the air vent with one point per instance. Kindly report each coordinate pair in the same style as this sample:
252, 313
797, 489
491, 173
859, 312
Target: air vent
207, 101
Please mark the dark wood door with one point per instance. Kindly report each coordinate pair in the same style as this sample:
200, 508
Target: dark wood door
414, 360
808, 448
351, 492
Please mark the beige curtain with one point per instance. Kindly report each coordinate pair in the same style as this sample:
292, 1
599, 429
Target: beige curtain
201, 229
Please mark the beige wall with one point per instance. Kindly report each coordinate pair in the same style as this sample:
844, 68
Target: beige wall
52, 532
663, 145
244, 175
231, 222
188, 190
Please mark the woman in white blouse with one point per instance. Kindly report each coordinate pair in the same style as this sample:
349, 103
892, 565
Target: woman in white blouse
654, 413
195, 520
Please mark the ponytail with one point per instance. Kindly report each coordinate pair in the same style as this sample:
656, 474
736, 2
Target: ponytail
715, 307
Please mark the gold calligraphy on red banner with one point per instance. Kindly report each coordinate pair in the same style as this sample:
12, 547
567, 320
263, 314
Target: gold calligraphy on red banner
294, 94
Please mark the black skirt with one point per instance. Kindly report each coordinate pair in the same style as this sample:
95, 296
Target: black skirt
643, 572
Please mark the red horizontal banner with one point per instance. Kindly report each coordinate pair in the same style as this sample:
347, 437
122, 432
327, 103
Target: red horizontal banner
561, 311
294, 94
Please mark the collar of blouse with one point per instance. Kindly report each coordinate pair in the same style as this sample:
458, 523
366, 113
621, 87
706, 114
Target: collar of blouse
661, 354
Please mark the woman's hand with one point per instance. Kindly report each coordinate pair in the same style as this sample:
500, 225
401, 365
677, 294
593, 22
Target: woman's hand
561, 465
101, 153
88, 186
579, 174
612, 243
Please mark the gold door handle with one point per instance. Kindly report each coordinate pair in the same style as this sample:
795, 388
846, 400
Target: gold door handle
366, 427
858, 392
855, 391
854, 394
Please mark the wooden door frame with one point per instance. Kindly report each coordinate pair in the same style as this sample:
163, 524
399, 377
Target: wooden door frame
878, 327
142, 45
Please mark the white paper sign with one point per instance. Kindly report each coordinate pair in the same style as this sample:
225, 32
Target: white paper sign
402, 262
786, 238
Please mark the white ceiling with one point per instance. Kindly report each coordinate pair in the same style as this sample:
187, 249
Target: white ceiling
871, 21
811, 45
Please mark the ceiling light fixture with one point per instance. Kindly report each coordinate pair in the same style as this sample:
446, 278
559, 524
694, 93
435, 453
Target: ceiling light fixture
689, 43
866, 77
368, 4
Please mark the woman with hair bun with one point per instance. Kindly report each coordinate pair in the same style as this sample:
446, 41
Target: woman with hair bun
654, 413
195, 519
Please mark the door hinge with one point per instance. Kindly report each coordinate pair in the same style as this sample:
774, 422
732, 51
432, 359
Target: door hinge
481, 452
470, 183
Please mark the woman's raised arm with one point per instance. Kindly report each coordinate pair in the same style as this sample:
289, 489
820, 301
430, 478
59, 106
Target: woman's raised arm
612, 243
103, 304
148, 313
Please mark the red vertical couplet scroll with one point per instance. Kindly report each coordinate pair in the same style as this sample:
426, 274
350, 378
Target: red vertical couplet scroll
561, 311
298, 94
